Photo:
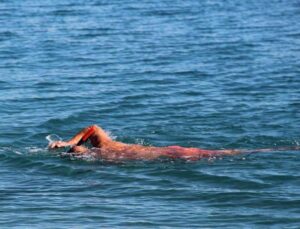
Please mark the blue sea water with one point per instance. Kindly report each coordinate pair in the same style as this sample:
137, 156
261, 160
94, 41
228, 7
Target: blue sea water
209, 74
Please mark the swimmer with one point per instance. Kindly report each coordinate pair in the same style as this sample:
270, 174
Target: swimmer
108, 149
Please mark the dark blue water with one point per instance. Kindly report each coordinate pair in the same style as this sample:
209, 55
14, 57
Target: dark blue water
209, 74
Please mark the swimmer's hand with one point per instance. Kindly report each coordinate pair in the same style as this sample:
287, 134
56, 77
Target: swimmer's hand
58, 144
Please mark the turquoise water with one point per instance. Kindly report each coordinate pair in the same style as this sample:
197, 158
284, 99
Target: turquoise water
208, 74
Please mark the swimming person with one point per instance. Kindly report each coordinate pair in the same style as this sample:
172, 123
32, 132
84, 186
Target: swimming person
108, 149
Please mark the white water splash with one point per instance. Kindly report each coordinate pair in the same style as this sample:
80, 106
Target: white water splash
52, 138
109, 133
35, 149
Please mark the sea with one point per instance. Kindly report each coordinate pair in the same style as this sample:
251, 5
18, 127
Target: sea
212, 74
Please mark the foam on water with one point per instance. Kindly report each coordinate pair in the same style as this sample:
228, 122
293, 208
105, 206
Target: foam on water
52, 138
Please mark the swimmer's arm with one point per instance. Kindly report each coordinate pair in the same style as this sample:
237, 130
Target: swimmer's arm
73, 141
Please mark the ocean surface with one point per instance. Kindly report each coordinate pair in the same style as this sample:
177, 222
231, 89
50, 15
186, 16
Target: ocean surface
208, 74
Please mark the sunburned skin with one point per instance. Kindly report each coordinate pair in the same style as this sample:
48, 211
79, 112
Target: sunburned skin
108, 149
